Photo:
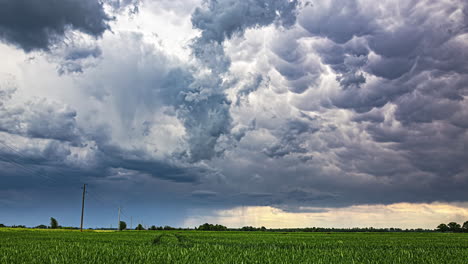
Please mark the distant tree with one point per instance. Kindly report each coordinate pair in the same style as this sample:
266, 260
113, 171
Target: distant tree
2, 225
168, 228
454, 227
211, 227
249, 228
53, 223
139, 227
153, 227
465, 226
204, 227
122, 225
220, 228
41, 227
442, 228
263, 228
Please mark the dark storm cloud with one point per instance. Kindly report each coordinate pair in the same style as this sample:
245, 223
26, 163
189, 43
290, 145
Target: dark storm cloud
390, 125
291, 138
35, 25
137, 161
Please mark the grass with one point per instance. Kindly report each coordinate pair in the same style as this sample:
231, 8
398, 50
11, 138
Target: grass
71, 246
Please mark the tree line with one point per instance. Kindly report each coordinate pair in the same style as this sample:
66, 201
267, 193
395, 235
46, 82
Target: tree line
453, 227
450, 227
123, 226
53, 225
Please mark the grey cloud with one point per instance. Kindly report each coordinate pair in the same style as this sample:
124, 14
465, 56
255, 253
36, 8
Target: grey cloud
291, 200
346, 60
59, 121
416, 107
76, 59
374, 116
131, 5
337, 20
77, 53
390, 68
40, 119
401, 43
254, 83
138, 161
35, 25
300, 75
293, 61
392, 128
70, 67
206, 111
211, 54
56, 163
291, 138
206, 120
221, 19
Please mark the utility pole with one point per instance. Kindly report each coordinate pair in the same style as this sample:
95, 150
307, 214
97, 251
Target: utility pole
82, 207
118, 227
131, 222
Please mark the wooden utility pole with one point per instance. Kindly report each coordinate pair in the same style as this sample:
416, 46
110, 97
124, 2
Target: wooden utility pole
118, 226
82, 207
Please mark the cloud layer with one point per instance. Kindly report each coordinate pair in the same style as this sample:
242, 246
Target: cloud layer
278, 103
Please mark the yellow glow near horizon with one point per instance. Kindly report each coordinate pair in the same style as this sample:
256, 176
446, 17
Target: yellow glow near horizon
400, 215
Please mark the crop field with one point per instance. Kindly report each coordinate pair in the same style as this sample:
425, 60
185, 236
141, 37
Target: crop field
65, 246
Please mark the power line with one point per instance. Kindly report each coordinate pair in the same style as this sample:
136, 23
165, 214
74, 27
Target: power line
17, 164
31, 171
28, 170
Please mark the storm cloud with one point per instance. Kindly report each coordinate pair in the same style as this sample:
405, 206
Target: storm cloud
35, 25
286, 104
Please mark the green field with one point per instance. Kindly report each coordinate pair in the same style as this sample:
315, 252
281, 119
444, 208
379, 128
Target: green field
59, 246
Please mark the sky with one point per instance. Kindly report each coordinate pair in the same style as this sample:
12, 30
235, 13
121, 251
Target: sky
276, 113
